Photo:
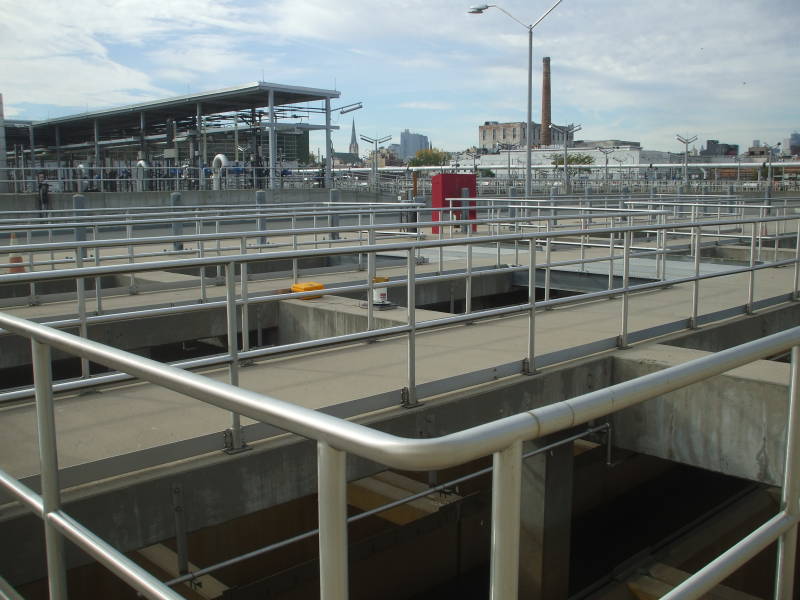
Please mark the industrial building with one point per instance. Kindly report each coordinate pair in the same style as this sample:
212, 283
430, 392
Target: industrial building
493, 135
259, 125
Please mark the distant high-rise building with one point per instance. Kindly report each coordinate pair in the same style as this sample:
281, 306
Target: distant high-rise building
411, 143
714, 148
353, 149
794, 144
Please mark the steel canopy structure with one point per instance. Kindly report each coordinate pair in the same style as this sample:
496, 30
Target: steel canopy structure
254, 106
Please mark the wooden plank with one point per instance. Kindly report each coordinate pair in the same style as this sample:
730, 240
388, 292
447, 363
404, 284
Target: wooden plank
205, 586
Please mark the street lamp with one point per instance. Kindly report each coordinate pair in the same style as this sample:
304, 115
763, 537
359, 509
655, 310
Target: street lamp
686, 142
769, 171
375, 141
478, 10
606, 152
566, 131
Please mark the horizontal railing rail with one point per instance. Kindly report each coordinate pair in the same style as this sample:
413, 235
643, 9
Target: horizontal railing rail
618, 285
336, 438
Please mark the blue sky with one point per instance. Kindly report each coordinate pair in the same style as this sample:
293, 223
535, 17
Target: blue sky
637, 70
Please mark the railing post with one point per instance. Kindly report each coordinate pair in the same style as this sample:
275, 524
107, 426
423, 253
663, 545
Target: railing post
295, 269
370, 274
530, 367
132, 289
795, 291
83, 329
177, 226
661, 273
332, 510
234, 442
751, 275
787, 543
261, 223
506, 490
622, 342
611, 260
696, 282
468, 284
245, 299
48, 456
548, 248
33, 301
410, 393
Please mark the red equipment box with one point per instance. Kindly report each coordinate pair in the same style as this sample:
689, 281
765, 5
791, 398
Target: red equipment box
448, 186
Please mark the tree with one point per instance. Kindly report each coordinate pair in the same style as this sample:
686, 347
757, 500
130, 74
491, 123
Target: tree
576, 158
431, 157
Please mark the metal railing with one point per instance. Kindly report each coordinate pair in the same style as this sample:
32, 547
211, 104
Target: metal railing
158, 177
619, 253
336, 438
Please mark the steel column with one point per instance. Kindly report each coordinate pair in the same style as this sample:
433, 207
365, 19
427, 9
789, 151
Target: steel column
273, 141
328, 150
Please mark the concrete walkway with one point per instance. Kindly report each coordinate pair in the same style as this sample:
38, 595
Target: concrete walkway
132, 417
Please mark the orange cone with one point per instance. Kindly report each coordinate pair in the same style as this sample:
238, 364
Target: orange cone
15, 259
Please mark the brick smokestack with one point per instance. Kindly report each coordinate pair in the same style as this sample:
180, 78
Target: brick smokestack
545, 137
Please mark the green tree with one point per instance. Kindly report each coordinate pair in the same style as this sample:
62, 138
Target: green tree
577, 158
431, 157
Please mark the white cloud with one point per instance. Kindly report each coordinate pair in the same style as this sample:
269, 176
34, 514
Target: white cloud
716, 66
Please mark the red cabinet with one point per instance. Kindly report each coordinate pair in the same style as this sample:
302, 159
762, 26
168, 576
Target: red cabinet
447, 192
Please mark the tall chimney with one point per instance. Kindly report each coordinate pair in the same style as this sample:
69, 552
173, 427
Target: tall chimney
545, 137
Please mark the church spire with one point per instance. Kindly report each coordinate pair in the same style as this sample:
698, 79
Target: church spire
353, 141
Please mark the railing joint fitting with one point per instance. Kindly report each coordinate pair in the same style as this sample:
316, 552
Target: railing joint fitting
228, 441
526, 367
406, 401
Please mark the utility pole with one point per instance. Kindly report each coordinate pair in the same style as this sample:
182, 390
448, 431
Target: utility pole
686, 142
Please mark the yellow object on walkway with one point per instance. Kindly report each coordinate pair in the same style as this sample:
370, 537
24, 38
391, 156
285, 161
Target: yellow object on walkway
308, 286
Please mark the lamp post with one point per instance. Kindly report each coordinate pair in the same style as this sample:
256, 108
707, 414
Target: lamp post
686, 142
375, 141
480, 9
566, 131
769, 169
606, 152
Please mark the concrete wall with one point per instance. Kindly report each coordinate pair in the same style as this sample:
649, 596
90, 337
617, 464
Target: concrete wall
733, 424
136, 510
188, 197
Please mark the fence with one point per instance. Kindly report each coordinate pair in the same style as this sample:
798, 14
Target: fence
336, 438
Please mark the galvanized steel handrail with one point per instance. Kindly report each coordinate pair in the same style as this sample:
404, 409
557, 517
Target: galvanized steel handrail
335, 437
